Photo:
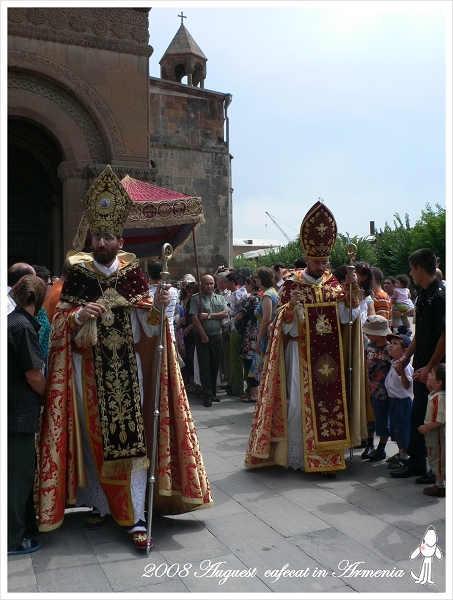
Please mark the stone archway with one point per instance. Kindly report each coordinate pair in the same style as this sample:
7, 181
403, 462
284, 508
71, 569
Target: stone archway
52, 138
34, 195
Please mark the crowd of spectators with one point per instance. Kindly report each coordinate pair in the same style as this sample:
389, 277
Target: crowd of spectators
221, 337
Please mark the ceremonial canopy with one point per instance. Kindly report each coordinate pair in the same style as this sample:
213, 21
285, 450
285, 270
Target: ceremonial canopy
157, 216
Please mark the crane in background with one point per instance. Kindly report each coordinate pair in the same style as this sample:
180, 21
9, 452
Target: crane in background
277, 225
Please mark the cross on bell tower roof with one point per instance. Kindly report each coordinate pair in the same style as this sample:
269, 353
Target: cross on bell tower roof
182, 58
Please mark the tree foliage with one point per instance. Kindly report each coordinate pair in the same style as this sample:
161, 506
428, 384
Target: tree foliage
394, 246
429, 232
389, 250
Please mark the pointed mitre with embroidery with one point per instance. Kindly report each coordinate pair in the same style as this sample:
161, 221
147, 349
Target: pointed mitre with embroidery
107, 204
318, 232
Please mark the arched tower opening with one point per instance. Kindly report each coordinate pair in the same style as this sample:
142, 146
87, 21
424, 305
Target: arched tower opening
180, 72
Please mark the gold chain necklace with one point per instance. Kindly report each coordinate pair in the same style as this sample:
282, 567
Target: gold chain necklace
108, 317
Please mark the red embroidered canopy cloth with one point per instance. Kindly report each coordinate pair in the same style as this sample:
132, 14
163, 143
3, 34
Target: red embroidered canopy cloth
157, 216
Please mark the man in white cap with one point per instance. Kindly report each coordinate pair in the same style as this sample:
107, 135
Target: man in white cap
188, 278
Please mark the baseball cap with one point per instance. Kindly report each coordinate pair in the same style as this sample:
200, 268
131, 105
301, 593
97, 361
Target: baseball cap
406, 339
189, 278
376, 325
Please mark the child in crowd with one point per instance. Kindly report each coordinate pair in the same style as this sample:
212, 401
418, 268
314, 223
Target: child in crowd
382, 302
365, 283
378, 364
399, 386
400, 302
434, 429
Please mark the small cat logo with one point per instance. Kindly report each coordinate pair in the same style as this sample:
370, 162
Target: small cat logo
428, 548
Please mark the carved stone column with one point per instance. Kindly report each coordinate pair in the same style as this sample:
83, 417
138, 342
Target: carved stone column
56, 231
190, 68
74, 177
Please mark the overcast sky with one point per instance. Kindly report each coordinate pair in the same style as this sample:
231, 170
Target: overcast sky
343, 100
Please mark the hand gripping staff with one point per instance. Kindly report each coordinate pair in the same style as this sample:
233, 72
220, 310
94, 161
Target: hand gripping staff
167, 252
351, 250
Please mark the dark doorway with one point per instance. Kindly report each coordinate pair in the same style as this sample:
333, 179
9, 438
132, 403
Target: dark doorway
34, 194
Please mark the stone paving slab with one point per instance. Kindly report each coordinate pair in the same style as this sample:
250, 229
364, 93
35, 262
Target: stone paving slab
190, 544
226, 447
311, 497
259, 546
241, 486
277, 478
216, 464
74, 579
21, 575
21, 591
161, 590
284, 516
238, 459
371, 531
124, 565
224, 506
385, 505
235, 431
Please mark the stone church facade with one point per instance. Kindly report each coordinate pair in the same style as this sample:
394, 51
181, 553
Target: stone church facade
80, 97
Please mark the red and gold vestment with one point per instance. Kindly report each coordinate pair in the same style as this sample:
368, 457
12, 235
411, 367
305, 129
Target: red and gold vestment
328, 423
119, 421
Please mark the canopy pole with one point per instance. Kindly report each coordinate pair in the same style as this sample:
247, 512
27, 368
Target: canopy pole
196, 257
200, 307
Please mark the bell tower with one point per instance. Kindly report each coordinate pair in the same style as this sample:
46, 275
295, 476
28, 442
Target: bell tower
184, 58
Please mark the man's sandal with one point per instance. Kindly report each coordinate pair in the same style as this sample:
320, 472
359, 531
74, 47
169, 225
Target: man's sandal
247, 399
397, 464
26, 547
94, 521
328, 474
395, 458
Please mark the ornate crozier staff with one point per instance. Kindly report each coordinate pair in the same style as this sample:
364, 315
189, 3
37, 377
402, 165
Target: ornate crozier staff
167, 252
351, 250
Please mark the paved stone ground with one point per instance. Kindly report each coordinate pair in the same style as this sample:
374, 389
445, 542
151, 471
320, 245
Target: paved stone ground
265, 523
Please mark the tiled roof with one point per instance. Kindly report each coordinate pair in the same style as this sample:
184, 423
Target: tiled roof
183, 43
